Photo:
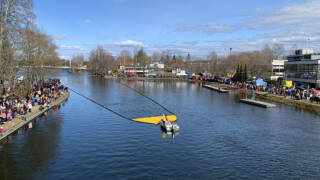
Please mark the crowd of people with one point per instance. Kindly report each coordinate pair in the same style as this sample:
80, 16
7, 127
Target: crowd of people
298, 93
14, 106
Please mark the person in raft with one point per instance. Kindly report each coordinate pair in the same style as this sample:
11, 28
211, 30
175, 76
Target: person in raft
165, 118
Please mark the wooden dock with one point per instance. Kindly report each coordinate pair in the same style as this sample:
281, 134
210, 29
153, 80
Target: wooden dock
17, 123
258, 103
218, 89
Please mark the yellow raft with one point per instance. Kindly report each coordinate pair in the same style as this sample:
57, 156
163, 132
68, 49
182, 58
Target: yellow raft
155, 119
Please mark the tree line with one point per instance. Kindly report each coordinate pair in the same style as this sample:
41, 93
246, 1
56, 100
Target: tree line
256, 63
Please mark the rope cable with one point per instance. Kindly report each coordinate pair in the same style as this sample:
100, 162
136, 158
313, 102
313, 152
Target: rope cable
101, 105
135, 90
154, 101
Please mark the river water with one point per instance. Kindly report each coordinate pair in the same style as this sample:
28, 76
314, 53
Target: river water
219, 138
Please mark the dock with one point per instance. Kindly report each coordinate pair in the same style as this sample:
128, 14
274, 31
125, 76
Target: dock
258, 103
17, 123
218, 89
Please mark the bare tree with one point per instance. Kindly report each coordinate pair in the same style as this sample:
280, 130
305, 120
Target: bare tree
77, 61
125, 56
100, 61
15, 15
278, 50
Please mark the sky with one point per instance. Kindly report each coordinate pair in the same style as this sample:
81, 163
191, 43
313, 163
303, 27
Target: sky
197, 27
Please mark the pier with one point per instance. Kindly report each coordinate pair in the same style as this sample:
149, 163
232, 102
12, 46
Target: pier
218, 89
17, 123
258, 103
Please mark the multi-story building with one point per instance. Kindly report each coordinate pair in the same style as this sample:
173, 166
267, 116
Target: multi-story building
303, 68
277, 69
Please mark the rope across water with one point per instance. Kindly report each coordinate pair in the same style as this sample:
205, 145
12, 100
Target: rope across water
154, 101
105, 107
100, 104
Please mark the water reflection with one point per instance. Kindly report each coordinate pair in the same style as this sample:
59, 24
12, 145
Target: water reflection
34, 150
168, 134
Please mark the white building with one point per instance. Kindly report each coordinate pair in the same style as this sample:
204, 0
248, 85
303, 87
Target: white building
277, 69
157, 65
179, 69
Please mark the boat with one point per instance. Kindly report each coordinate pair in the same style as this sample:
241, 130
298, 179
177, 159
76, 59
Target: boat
169, 126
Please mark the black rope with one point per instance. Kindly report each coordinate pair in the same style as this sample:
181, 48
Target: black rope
154, 101
100, 105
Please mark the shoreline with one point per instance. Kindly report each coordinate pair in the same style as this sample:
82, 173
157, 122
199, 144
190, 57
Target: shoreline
15, 124
299, 104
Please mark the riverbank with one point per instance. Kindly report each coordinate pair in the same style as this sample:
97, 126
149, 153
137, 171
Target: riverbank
21, 121
299, 104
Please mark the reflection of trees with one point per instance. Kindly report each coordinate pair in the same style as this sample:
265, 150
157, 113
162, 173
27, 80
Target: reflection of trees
39, 146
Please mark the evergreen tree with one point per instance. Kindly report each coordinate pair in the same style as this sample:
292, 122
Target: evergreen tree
174, 59
241, 73
245, 73
238, 73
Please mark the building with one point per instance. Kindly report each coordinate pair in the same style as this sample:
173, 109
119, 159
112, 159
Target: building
277, 69
157, 65
122, 65
127, 68
303, 68
179, 69
156, 69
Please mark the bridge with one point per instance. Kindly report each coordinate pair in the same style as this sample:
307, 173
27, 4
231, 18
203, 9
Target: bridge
65, 67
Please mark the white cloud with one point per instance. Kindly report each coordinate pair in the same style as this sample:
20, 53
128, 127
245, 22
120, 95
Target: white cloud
130, 43
67, 51
206, 28
88, 21
297, 24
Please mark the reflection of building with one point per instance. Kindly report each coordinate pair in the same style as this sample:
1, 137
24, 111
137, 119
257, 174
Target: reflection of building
179, 69
303, 68
277, 69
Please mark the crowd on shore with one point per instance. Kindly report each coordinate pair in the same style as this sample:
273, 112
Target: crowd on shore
298, 93
14, 106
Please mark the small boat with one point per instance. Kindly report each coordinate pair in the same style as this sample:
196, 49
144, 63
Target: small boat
169, 126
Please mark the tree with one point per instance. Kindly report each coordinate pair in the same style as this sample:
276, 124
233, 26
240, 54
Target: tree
155, 57
125, 56
15, 15
180, 59
38, 50
100, 61
278, 50
245, 73
188, 62
174, 59
77, 61
240, 73
141, 58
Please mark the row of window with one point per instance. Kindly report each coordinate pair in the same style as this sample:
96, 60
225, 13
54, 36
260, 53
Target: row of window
302, 71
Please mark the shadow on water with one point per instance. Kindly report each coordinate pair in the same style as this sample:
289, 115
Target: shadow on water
29, 152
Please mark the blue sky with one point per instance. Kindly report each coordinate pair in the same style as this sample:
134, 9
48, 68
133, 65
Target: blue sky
178, 26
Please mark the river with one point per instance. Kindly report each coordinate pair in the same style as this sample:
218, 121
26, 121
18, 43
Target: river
219, 137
